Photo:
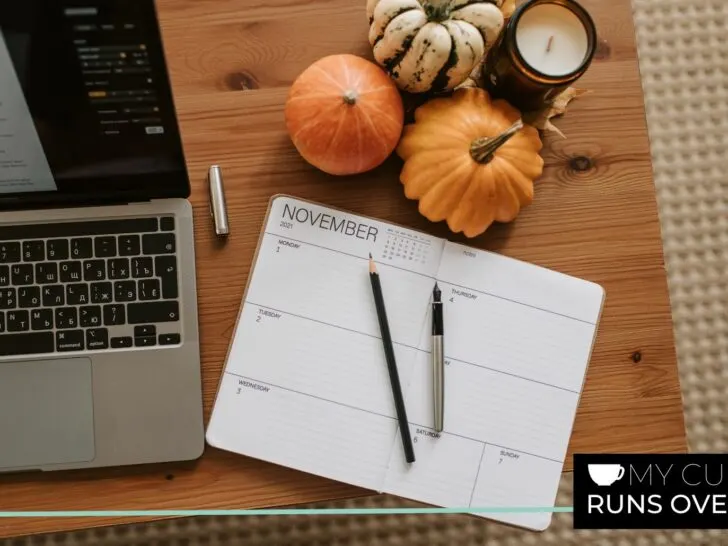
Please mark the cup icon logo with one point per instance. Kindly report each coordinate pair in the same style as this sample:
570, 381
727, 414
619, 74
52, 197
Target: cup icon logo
605, 474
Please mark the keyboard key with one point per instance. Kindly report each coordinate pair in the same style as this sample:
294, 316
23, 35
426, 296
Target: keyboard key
158, 311
124, 291
21, 274
70, 340
66, 317
169, 339
94, 270
161, 243
142, 267
77, 294
105, 247
148, 289
9, 252
118, 268
129, 245
101, 292
114, 315
90, 316
53, 296
8, 298
97, 338
79, 229
145, 341
166, 269
145, 330
121, 342
70, 271
4, 275
29, 296
17, 321
82, 248
33, 251
166, 223
2, 322
41, 319
26, 344
57, 249
46, 273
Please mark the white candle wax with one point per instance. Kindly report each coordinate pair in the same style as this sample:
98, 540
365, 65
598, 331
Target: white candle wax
552, 39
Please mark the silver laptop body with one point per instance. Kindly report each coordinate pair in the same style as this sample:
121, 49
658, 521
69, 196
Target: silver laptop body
99, 342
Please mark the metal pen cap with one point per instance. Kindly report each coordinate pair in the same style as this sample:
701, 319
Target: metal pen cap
218, 206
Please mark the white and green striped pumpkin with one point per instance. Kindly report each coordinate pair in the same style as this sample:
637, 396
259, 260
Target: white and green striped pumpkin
432, 45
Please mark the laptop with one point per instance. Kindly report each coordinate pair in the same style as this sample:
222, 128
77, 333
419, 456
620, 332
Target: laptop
99, 345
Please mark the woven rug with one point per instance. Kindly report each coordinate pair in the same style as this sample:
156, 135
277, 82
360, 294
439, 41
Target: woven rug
683, 50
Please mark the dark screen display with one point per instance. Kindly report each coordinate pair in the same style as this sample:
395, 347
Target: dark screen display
93, 75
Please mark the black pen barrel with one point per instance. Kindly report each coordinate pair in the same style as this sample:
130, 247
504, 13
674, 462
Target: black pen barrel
437, 327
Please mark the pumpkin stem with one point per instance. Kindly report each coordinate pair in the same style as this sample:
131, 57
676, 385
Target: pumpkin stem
437, 10
350, 97
483, 149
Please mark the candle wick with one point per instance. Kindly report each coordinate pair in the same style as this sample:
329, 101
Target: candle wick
548, 46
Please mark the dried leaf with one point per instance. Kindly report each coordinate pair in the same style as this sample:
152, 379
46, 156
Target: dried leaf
508, 7
474, 78
541, 119
470, 82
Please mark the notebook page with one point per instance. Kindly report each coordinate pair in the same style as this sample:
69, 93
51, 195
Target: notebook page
517, 342
306, 383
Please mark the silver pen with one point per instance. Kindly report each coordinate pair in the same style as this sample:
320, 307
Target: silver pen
218, 206
438, 359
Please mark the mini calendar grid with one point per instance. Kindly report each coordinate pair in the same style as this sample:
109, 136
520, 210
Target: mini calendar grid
405, 247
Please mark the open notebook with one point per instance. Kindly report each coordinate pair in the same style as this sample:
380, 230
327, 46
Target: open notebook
306, 386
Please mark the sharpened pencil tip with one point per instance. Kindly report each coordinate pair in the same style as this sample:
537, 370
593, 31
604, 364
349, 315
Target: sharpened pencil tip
372, 266
370, 255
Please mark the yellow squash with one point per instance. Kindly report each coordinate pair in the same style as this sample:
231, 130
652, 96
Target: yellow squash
469, 160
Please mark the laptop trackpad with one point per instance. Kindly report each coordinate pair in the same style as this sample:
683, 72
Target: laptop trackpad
46, 413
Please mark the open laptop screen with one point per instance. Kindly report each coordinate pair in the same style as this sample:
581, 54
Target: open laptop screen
86, 109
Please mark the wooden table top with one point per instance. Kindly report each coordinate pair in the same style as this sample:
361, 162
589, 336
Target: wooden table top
594, 216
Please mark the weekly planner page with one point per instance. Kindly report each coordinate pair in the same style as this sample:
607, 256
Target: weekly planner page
306, 382
518, 339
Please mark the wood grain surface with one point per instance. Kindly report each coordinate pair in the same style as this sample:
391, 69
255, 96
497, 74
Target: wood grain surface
594, 216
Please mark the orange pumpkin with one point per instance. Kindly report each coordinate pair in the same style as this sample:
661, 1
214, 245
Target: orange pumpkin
469, 160
344, 115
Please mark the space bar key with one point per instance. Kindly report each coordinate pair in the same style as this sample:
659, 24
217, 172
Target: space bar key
149, 313
26, 344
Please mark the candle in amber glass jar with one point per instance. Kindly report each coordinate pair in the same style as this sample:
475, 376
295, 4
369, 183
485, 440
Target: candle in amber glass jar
546, 46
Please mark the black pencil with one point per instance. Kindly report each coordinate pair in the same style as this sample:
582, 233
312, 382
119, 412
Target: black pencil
409, 451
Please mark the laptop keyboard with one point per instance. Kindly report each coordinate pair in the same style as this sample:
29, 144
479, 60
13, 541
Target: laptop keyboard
99, 285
